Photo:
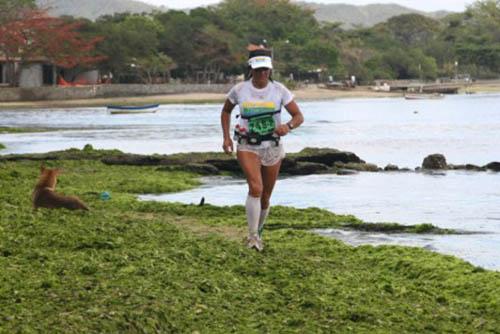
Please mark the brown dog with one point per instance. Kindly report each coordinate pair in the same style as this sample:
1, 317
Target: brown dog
44, 195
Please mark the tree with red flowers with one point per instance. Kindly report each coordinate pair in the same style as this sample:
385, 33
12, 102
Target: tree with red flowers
32, 34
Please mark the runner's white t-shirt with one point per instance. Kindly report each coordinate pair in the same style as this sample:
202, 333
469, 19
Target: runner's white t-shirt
254, 101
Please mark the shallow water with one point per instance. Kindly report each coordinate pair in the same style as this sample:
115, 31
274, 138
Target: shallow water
459, 200
465, 128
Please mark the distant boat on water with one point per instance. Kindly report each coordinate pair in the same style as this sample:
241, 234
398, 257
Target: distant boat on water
423, 96
150, 108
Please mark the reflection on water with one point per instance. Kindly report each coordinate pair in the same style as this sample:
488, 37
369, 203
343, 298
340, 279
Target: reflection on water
465, 128
460, 200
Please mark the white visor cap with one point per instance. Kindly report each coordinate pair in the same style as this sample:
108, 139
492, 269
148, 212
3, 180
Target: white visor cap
260, 61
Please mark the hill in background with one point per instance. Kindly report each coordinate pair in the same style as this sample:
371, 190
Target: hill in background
366, 16
92, 9
350, 15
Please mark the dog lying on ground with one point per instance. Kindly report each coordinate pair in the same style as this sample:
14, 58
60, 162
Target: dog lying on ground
44, 195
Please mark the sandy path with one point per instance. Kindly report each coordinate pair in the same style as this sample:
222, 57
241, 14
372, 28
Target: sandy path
311, 92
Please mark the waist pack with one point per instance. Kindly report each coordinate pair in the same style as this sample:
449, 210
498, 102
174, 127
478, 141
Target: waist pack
256, 139
260, 128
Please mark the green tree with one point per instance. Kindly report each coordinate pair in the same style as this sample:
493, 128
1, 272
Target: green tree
154, 66
272, 20
289, 30
213, 52
412, 30
199, 44
318, 54
176, 38
11, 9
396, 49
129, 39
473, 37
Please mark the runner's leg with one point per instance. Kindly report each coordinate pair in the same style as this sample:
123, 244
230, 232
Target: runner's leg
251, 166
269, 177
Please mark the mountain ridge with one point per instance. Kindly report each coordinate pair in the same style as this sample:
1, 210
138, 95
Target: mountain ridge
92, 9
365, 15
350, 16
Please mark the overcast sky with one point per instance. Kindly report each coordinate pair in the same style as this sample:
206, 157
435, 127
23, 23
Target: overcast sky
424, 5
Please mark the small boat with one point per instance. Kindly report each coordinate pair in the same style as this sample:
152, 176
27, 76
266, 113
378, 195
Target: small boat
150, 108
422, 96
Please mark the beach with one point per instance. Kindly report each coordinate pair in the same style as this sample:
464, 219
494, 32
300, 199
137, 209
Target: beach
305, 93
310, 92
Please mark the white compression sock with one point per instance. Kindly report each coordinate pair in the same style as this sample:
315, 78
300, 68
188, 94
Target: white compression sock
252, 206
262, 219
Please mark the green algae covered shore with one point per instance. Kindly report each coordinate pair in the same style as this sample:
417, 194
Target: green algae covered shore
142, 267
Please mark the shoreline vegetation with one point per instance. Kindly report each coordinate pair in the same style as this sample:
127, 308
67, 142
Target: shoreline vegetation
213, 163
311, 92
138, 266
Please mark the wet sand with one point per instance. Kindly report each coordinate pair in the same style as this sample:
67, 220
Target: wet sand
310, 92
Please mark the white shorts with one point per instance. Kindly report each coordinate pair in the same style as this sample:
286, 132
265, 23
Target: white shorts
269, 155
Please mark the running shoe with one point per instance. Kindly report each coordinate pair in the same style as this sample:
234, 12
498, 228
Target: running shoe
260, 242
254, 241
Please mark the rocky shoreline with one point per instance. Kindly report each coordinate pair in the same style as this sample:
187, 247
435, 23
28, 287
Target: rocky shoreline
306, 162
309, 161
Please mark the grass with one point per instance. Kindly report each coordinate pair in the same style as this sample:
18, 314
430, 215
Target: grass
87, 153
144, 267
7, 129
2, 146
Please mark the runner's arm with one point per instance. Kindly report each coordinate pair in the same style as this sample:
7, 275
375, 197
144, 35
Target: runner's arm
295, 122
297, 117
225, 118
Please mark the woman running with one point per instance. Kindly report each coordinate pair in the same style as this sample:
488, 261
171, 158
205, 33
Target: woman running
258, 135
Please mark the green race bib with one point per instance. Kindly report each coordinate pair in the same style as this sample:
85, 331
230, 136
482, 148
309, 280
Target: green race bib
262, 125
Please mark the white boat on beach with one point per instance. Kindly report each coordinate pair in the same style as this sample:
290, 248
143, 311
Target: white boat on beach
116, 109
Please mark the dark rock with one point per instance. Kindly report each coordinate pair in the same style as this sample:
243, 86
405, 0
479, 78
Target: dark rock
434, 161
391, 167
202, 169
433, 172
456, 167
474, 168
327, 156
306, 168
361, 167
288, 163
343, 171
163, 160
133, 160
231, 165
405, 169
494, 166
470, 167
